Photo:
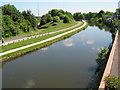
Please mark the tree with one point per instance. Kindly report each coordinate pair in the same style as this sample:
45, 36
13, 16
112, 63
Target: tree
61, 15
11, 11
61, 11
30, 17
49, 18
15, 22
25, 26
101, 13
90, 15
69, 15
43, 20
53, 12
118, 13
78, 16
9, 28
66, 19
56, 19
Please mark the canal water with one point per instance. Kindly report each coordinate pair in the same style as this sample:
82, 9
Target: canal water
70, 63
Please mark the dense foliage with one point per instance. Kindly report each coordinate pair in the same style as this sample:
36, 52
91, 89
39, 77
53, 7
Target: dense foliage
105, 19
14, 22
102, 19
56, 15
101, 61
112, 83
78, 16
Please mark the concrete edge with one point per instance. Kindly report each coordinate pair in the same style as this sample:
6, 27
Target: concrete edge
109, 64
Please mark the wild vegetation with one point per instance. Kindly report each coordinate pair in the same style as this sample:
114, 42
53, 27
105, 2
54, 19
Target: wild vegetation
105, 20
101, 61
53, 16
112, 83
14, 22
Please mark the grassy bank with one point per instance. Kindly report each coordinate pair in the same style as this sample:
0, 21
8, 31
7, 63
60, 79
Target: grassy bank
30, 41
58, 26
24, 51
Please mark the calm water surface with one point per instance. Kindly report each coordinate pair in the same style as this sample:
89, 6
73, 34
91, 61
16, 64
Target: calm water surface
68, 63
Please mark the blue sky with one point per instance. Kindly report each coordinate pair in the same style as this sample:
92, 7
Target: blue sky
68, 5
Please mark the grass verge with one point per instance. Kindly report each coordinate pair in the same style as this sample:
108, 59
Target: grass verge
59, 26
36, 47
30, 41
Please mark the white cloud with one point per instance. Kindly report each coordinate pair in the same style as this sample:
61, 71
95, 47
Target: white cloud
68, 43
44, 49
90, 42
83, 36
93, 48
97, 48
30, 84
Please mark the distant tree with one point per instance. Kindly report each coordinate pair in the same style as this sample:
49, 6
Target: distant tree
49, 18
61, 15
53, 12
43, 20
66, 19
62, 11
118, 13
30, 17
100, 13
78, 16
108, 13
90, 15
69, 15
56, 19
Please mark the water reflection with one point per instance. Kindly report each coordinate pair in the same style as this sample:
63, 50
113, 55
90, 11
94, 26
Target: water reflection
90, 42
58, 66
83, 36
68, 42
44, 49
30, 84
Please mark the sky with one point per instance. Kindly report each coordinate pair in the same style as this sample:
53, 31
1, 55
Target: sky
72, 6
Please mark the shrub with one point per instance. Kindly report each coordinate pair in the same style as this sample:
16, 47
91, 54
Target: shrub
112, 83
66, 19
56, 19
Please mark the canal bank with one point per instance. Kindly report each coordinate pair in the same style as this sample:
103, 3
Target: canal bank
70, 63
35, 46
111, 68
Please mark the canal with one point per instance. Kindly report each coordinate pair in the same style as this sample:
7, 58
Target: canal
70, 63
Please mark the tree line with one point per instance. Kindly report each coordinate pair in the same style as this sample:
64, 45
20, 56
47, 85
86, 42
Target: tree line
15, 22
56, 15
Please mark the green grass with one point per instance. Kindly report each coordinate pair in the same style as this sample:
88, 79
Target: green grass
59, 26
30, 49
30, 41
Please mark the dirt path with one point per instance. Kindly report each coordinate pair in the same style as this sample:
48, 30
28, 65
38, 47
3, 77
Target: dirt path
21, 38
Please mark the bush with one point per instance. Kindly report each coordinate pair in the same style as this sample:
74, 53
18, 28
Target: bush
56, 19
112, 83
66, 19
